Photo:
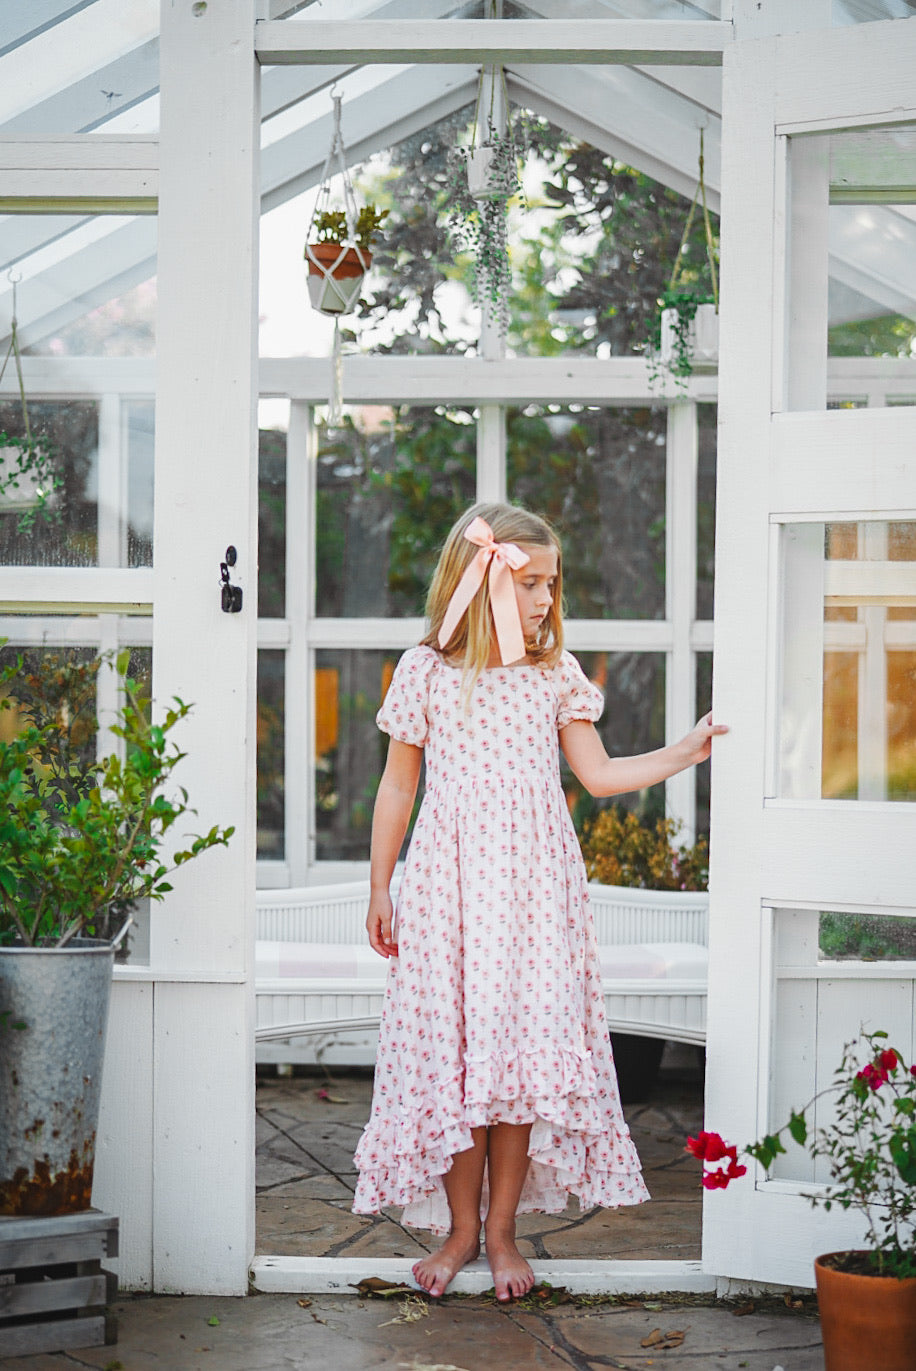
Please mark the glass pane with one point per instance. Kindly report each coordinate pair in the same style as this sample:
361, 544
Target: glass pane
271, 811
706, 508
391, 482
271, 523
853, 231
848, 718
350, 750
868, 11
140, 418
60, 683
67, 534
633, 721
598, 476
702, 772
834, 973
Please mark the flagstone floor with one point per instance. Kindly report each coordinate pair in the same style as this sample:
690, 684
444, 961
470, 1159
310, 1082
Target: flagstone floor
309, 1124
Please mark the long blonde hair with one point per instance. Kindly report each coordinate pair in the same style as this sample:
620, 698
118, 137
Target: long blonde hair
471, 643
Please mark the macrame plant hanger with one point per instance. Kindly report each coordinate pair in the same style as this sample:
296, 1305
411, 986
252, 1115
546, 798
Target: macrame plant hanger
337, 263
699, 198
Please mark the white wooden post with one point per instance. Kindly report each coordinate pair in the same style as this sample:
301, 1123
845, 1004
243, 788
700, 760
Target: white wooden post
202, 939
680, 597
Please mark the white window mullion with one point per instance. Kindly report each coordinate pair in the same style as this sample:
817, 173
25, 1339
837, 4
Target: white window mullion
299, 695
491, 453
112, 487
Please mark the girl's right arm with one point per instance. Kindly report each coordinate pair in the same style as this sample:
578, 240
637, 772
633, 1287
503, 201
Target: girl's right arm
393, 805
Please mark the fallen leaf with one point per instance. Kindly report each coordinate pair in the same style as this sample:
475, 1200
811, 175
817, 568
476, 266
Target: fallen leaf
373, 1287
213, 1321
326, 1095
793, 1301
648, 1304
304, 1304
317, 1320
661, 1340
749, 1307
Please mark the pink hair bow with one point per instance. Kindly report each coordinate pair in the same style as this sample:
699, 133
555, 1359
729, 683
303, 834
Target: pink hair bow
502, 559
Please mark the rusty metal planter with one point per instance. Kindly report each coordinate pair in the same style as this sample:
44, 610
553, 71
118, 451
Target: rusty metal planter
53, 1015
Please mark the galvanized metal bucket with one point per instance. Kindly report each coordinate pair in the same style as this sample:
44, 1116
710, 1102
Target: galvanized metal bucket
53, 1016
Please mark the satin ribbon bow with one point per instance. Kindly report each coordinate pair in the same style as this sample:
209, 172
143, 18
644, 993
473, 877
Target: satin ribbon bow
502, 559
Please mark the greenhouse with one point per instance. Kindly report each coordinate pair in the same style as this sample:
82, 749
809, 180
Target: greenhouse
248, 493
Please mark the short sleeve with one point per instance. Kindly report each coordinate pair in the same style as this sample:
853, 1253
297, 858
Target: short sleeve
578, 697
404, 714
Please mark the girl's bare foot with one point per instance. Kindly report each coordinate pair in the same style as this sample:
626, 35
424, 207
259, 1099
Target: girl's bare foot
435, 1272
512, 1276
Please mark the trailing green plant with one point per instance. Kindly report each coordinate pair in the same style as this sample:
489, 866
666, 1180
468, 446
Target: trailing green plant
478, 221
621, 850
869, 1148
81, 840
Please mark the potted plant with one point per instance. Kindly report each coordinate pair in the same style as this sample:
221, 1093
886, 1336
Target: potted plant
339, 254
81, 841
866, 1298
623, 853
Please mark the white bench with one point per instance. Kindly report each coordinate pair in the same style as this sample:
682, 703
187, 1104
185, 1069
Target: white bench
319, 986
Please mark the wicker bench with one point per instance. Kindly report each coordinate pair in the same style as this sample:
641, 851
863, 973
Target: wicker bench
319, 987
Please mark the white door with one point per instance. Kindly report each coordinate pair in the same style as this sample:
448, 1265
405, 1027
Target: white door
815, 642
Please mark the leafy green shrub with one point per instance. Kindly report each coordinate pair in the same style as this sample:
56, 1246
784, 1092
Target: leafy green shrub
620, 850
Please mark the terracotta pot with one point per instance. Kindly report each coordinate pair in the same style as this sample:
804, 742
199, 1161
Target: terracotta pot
866, 1321
336, 276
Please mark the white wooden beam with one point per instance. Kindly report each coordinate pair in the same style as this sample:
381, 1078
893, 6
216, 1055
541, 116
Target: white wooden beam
79, 174
681, 42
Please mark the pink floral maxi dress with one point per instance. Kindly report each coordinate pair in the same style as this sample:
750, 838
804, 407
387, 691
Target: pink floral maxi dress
493, 1009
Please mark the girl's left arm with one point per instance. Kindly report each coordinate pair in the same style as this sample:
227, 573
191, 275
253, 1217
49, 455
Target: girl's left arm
603, 775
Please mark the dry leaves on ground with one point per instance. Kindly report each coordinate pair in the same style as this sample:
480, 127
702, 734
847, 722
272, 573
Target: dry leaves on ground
663, 1341
410, 1310
373, 1287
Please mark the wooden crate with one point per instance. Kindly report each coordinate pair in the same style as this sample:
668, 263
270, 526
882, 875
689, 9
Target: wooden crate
53, 1290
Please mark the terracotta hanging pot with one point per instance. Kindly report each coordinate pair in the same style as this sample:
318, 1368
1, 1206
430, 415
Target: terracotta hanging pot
866, 1321
336, 276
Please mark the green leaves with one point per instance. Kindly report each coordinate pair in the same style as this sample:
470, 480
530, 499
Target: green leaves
81, 840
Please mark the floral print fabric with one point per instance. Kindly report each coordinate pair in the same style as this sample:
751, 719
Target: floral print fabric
494, 1010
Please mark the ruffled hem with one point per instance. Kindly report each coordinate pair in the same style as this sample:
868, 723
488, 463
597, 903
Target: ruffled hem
575, 1149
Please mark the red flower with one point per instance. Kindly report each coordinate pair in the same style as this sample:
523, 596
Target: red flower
874, 1075
889, 1059
715, 1180
708, 1147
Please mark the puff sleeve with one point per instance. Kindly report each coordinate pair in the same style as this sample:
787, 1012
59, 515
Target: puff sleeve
577, 697
404, 714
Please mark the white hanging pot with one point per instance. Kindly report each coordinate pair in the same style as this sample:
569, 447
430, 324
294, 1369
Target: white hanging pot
24, 491
702, 338
336, 276
480, 183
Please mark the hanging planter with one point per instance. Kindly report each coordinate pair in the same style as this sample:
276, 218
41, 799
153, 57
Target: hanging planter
28, 467
486, 179
337, 249
686, 332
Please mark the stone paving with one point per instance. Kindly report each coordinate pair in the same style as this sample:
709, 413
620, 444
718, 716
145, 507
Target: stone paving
308, 1127
328, 1333
305, 1181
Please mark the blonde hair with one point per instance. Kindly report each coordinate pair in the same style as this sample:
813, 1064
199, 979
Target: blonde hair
471, 643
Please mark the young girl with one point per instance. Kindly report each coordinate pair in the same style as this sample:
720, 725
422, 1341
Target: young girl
495, 1090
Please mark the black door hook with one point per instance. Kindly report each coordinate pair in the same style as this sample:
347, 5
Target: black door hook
231, 595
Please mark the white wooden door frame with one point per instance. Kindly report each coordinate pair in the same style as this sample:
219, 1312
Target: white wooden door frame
775, 469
